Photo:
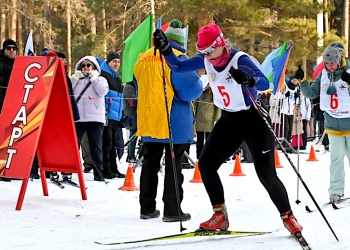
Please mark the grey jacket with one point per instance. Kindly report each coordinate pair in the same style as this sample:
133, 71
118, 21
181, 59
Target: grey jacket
333, 126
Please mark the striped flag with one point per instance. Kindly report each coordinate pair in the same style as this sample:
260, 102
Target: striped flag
275, 65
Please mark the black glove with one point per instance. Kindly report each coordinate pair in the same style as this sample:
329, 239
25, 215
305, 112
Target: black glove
242, 77
287, 94
299, 74
345, 76
296, 94
161, 42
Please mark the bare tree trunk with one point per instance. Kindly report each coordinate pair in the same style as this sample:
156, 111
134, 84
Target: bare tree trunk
69, 37
326, 16
93, 25
13, 20
345, 28
104, 25
3, 22
20, 30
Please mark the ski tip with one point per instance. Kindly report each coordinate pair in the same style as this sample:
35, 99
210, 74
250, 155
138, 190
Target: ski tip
334, 206
308, 209
106, 182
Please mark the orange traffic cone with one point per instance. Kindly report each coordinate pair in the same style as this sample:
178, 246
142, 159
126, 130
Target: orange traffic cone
197, 178
277, 160
237, 171
312, 155
129, 184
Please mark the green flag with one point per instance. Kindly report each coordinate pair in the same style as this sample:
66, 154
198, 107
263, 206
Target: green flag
138, 41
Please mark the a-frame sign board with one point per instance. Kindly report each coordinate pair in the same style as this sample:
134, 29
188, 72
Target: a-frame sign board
37, 118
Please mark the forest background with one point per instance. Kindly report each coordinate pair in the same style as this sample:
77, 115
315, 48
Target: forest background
95, 27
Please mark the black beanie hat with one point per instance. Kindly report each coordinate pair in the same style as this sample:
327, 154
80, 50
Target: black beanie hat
8, 42
112, 55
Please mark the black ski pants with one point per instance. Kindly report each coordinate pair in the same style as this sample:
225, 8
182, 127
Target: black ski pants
153, 153
227, 135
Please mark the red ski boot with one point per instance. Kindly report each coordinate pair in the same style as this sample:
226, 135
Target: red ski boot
291, 223
219, 221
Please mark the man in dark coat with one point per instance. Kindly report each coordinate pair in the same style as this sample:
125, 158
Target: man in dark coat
7, 59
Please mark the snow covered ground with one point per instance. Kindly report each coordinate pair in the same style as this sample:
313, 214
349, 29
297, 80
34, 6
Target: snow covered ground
64, 221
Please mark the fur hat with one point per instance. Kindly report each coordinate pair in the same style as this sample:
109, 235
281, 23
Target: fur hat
112, 55
8, 42
175, 33
332, 55
209, 35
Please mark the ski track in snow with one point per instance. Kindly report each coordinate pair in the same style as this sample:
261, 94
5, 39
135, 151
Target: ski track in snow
64, 221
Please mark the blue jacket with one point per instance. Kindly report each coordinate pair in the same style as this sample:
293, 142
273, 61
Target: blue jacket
187, 87
114, 97
244, 63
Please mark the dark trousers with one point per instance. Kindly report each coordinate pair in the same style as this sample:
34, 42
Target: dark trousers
94, 132
110, 134
153, 153
288, 125
202, 137
246, 153
119, 143
132, 145
187, 150
236, 127
325, 140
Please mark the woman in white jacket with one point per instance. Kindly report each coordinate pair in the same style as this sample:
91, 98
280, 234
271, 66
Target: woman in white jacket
89, 90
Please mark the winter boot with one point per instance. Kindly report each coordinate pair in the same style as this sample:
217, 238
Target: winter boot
219, 221
154, 214
66, 176
131, 159
119, 175
335, 198
54, 176
184, 217
291, 223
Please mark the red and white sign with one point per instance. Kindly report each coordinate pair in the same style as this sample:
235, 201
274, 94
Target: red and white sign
37, 118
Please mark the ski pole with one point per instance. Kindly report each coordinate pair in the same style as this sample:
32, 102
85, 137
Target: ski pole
263, 113
130, 140
172, 153
92, 161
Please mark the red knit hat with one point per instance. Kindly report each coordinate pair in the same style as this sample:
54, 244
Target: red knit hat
51, 54
210, 35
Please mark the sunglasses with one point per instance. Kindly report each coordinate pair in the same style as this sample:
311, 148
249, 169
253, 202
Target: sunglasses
212, 47
86, 65
208, 50
14, 48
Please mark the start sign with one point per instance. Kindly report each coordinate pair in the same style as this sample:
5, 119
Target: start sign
37, 118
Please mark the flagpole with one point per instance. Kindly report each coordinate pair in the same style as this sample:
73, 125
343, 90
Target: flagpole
153, 12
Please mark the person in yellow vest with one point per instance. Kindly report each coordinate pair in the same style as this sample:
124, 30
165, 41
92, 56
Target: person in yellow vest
151, 74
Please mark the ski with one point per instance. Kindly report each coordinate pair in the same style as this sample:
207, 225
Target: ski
339, 205
197, 233
303, 243
334, 205
57, 183
72, 183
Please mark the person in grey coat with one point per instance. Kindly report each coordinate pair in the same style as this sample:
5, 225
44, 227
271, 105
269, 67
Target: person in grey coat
89, 90
130, 108
332, 85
